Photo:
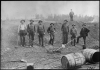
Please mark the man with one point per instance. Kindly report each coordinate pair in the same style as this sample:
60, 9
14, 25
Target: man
41, 33
83, 33
22, 32
31, 31
65, 32
51, 31
71, 15
73, 32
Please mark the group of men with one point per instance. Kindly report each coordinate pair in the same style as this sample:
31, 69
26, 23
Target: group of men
30, 30
73, 32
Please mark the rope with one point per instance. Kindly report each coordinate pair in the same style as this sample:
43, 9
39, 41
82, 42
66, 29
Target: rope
66, 44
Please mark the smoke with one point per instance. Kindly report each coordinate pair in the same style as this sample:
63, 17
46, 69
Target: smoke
95, 20
22, 9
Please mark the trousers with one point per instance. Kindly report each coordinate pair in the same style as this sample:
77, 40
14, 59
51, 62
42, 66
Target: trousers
71, 18
84, 39
41, 39
52, 36
65, 38
22, 37
31, 38
74, 40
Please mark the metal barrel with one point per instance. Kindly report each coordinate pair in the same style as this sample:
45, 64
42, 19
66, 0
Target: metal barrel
91, 55
72, 60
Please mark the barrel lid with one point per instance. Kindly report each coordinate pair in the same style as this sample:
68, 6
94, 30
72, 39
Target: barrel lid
95, 57
65, 63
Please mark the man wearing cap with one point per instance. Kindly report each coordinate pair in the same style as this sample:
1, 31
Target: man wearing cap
51, 31
65, 32
22, 32
73, 32
31, 32
41, 33
83, 33
71, 15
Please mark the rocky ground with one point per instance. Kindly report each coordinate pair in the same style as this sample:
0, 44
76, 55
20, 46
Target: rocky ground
41, 57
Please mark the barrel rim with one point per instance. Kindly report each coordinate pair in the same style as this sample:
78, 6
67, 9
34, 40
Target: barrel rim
92, 53
67, 65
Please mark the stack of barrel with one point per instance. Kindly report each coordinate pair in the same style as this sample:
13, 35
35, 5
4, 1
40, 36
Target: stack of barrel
76, 60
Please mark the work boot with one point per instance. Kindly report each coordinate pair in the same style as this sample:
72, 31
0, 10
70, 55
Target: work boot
43, 46
49, 42
84, 46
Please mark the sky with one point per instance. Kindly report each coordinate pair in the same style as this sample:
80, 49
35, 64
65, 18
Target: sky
22, 9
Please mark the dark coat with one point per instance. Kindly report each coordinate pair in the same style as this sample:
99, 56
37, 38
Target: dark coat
31, 28
71, 14
73, 31
40, 29
65, 28
51, 29
84, 32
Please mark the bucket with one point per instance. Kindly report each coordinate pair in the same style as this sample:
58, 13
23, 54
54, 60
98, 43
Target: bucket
91, 55
72, 60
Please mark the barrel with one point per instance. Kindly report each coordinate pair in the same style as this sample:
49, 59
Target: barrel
72, 60
91, 55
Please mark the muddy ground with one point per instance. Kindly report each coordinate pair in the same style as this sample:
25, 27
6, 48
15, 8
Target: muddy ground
12, 52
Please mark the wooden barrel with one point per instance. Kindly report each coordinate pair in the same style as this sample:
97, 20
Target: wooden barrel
91, 55
72, 60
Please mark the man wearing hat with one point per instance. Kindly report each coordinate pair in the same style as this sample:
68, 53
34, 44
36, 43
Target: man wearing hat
73, 32
22, 32
65, 32
31, 32
83, 33
51, 31
41, 33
